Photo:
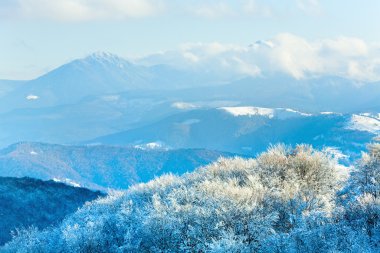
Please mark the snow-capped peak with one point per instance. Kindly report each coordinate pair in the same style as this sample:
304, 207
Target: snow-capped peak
107, 58
103, 55
262, 43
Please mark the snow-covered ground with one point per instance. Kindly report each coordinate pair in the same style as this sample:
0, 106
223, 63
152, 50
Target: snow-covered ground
280, 113
249, 111
67, 181
364, 122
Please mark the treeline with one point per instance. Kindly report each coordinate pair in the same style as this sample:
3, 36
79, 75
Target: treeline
285, 200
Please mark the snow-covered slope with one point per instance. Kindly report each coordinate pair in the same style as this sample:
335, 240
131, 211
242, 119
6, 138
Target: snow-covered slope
249, 111
280, 113
95, 75
365, 122
249, 130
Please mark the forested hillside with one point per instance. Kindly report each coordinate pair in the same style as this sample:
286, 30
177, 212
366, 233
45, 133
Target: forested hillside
286, 200
27, 202
99, 167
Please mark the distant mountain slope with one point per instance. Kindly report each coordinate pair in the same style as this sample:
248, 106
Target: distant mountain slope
111, 94
328, 93
100, 167
67, 124
7, 86
250, 130
93, 75
26, 202
99, 74
111, 113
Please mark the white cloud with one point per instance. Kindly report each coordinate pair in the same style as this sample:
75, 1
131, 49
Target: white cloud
254, 8
247, 68
309, 6
191, 57
293, 55
347, 57
87, 10
285, 53
214, 10
229, 8
208, 49
346, 46
213, 57
82, 10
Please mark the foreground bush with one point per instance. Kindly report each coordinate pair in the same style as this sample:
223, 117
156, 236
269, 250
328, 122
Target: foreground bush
286, 200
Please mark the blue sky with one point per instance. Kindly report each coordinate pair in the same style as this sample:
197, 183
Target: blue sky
38, 35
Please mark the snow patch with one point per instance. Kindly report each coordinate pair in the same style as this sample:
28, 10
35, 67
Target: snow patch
184, 106
336, 153
279, 113
331, 113
151, 146
32, 97
371, 115
362, 122
67, 181
249, 111
286, 113
342, 160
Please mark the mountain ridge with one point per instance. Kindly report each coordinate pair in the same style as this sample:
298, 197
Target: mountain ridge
249, 130
99, 167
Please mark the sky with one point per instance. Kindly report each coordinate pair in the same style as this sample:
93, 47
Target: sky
38, 35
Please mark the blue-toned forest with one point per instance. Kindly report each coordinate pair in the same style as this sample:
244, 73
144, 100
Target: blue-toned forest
286, 200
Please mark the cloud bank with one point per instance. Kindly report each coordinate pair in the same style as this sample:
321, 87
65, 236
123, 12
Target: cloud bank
286, 53
89, 10
79, 10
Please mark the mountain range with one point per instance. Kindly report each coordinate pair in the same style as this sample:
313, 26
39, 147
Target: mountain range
105, 98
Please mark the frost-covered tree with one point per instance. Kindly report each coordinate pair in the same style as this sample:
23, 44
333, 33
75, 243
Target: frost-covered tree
362, 210
282, 201
366, 177
302, 179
